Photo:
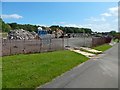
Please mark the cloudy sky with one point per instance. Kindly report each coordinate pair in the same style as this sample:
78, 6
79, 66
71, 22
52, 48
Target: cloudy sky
99, 16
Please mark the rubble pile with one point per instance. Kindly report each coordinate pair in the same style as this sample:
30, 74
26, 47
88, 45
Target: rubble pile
21, 34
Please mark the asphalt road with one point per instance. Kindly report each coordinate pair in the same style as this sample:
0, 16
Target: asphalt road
100, 72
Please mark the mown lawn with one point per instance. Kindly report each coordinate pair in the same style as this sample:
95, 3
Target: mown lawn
103, 47
32, 70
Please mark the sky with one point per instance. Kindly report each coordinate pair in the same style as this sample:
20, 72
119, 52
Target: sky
99, 16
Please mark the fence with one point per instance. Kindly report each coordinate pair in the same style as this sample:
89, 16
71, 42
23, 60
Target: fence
100, 40
78, 42
11, 47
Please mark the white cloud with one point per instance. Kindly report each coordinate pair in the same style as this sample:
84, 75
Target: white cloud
73, 25
102, 27
41, 25
93, 19
114, 11
104, 22
58, 23
106, 14
13, 16
111, 12
103, 19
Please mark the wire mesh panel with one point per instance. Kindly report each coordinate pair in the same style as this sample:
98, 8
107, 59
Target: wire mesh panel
32, 46
45, 45
100, 40
12, 47
16, 46
57, 44
78, 42
6, 47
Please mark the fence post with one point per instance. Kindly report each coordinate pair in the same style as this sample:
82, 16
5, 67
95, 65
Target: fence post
24, 45
10, 46
40, 45
67, 41
63, 43
50, 44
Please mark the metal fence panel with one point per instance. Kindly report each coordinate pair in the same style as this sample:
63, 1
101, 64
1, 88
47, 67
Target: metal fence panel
78, 42
12, 47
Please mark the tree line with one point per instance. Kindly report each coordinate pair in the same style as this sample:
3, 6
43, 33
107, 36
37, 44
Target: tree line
6, 27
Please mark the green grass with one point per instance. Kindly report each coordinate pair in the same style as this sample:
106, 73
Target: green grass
103, 47
116, 40
32, 70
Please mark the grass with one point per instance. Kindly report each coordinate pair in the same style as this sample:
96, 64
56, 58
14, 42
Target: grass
103, 47
32, 70
116, 40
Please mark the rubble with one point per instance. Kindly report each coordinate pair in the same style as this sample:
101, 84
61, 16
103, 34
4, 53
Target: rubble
22, 34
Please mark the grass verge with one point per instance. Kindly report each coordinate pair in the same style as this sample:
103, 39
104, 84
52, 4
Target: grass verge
32, 70
116, 40
103, 47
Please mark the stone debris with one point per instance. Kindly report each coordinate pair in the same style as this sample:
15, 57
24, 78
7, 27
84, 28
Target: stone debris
22, 34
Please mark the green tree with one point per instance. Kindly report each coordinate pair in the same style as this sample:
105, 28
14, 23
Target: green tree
4, 27
113, 33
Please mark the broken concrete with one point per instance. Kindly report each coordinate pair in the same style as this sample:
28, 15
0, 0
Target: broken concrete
21, 34
89, 55
90, 50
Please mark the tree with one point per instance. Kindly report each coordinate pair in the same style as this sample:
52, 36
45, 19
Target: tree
14, 25
4, 27
113, 33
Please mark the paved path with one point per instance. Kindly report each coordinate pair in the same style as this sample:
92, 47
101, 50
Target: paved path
100, 72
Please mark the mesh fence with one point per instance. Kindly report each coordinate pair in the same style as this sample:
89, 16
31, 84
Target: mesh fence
100, 40
11, 47
78, 42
